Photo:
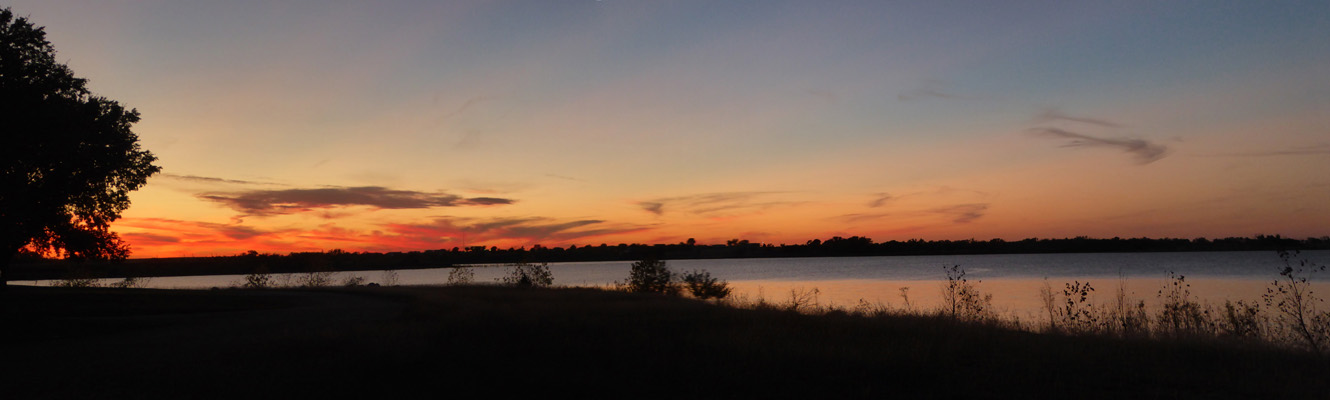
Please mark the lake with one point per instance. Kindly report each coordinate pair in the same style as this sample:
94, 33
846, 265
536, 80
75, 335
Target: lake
1014, 280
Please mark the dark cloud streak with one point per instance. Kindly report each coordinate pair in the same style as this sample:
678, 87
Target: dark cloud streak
1143, 150
209, 179
709, 203
530, 228
289, 201
963, 213
1054, 114
882, 198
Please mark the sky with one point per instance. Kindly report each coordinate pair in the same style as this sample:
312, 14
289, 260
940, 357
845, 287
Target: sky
285, 126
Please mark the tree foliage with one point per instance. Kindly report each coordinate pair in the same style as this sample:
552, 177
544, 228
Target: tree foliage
69, 159
529, 275
702, 285
651, 276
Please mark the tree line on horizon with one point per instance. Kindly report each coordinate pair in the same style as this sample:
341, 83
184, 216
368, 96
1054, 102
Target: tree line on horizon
32, 266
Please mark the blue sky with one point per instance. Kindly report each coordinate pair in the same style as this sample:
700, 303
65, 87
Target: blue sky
768, 120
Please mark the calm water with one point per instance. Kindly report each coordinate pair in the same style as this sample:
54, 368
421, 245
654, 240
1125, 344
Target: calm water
1013, 279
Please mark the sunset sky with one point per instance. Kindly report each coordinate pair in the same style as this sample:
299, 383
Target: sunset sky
410, 125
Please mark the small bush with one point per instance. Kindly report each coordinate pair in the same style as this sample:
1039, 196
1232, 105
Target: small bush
803, 299
260, 279
1181, 315
1078, 315
701, 285
130, 282
389, 278
1295, 303
962, 300
78, 278
651, 276
461, 276
1128, 319
1049, 301
316, 279
1242, 320
530, 275
353, 281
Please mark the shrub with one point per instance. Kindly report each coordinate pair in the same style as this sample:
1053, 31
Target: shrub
353, 281
1128, 319
1182, 316
651, 276
1049, 301
130, 282
530, 275
701, 285
962, 300
316, 279
905, 299
389, 278
78, 278
1295, 303
260, 279
1078, 315
803, 299
461, 276
1242, 320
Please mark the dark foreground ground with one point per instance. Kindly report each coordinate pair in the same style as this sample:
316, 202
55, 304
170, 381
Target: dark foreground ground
505, 342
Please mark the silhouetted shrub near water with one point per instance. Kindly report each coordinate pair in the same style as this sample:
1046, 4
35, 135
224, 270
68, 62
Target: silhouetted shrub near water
701, 285
528, 275
651, 275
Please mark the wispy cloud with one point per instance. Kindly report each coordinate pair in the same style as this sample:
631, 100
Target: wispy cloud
527, 229
289, 201
879, 199
156, 237
852, 218
963, 213
1142, 150
1054, 115
209, 179
466, 105
1314, 150
925, 93
566, 178
709, 203
143, 238
654, 207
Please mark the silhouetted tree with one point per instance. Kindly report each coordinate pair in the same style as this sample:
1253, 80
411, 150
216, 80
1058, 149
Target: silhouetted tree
69, 159
650, 275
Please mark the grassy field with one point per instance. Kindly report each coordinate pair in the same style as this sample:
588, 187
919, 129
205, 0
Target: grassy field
412, 342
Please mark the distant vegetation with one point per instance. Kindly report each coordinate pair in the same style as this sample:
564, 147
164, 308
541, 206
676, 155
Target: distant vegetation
29, 266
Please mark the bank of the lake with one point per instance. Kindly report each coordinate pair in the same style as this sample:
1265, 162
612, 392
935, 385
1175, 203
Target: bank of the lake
439, 341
